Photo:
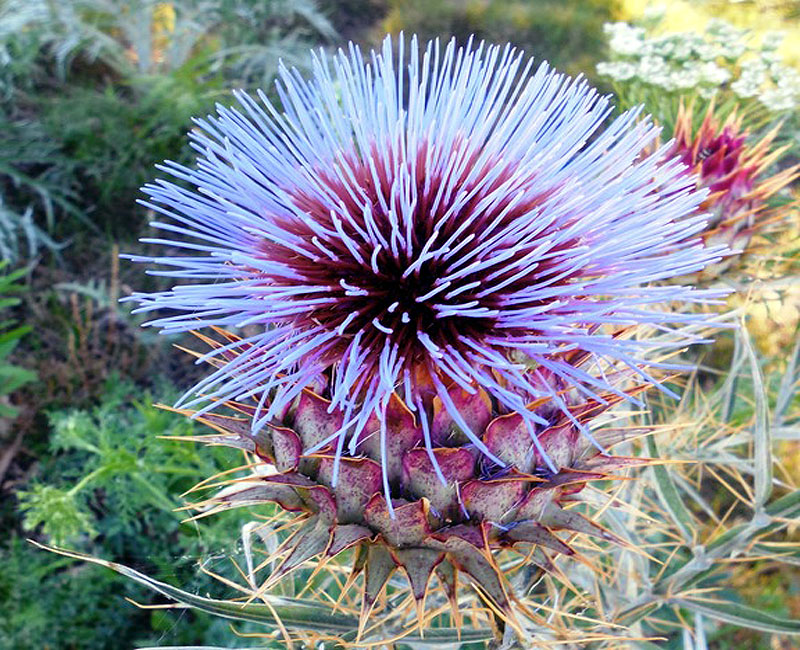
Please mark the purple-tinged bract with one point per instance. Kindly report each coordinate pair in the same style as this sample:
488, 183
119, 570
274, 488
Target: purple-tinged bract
418, 221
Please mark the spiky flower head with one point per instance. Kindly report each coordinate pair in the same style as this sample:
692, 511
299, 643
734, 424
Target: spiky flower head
723, 160
412, 222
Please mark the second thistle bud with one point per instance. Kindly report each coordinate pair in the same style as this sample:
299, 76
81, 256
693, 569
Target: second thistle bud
733, 169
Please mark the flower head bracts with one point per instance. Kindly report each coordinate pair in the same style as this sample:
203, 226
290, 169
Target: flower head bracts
447, 510
460, 221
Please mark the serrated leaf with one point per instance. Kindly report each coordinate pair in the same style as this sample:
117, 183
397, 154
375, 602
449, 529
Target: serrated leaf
61, 514
744, 616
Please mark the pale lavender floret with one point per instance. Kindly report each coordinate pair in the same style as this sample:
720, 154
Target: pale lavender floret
567, 233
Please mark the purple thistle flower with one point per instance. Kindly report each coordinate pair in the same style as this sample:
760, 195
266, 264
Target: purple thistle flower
460, 222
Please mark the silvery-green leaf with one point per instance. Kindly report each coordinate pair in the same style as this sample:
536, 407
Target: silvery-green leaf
669, 496
762, 441
788, 384
294, 613
744, 616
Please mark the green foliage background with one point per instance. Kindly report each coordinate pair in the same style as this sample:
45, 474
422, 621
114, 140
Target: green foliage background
109, 486
569, 35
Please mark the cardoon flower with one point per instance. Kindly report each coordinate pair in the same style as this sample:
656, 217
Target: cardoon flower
437, 263
401, 225
448, 509
721, 159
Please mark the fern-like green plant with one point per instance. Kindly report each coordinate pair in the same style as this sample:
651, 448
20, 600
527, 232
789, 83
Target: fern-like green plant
115, 473
109, 485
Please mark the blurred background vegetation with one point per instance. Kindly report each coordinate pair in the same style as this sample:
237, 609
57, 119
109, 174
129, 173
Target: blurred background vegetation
94, 93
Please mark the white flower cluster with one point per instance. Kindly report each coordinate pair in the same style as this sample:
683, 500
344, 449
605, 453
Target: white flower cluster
624, 38
718, 58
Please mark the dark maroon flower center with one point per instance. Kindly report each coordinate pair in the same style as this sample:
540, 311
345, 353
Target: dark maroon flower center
429, 257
